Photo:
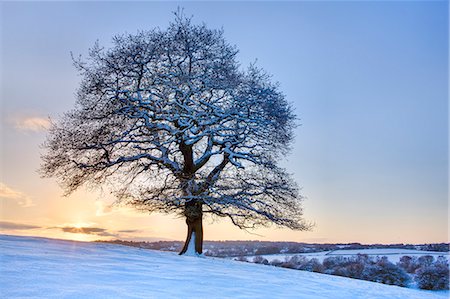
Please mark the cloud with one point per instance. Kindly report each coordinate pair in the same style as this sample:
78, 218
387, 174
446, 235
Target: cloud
34, 124
8, 193
102, 209
87, 230
5, 225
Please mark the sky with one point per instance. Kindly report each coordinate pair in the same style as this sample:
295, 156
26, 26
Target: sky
368, 80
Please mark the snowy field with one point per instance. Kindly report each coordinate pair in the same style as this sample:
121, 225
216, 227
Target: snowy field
392, 254
46, 268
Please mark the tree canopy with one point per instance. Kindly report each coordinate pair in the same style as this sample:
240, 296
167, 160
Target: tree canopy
168, 118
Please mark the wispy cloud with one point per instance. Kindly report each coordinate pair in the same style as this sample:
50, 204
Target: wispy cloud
34, 124
87, 230
21, 198
5, 225
103, 209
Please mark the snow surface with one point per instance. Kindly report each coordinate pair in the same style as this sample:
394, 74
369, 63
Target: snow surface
393, 254
191, 246
45, 268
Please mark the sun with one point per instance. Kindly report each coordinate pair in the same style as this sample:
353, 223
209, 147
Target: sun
81, 224
78, 231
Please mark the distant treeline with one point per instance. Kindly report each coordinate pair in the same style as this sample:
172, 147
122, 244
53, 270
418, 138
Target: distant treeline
242, 248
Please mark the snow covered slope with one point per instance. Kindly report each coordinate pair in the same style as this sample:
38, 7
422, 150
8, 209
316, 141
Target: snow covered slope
46, 268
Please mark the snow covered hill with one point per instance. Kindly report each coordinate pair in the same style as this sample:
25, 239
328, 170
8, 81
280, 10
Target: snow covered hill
46, 268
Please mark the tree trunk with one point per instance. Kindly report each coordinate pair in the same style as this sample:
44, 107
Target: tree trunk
193, 213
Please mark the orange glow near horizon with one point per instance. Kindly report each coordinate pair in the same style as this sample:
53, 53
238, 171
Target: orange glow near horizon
83, 217
89, 216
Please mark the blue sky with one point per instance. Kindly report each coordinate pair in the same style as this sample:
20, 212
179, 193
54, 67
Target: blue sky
369, 81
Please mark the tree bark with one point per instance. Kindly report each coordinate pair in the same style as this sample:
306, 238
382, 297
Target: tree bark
194, 221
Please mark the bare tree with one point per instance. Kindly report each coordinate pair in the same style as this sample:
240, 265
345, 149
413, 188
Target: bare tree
171, 123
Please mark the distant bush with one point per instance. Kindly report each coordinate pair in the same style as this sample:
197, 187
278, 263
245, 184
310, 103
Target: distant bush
260, 260
384, 271
409, 264
272, 249
428, 273
288, 264
425, 271
434, 276
331, 263
360, 267
346, 266
312, 265
441, 247
241, 259
425, 260
276, 263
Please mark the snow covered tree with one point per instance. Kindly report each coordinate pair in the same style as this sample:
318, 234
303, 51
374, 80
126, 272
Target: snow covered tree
434, 276
384, 271
169, 122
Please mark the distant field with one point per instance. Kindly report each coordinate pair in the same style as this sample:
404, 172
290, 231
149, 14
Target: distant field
392, 254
